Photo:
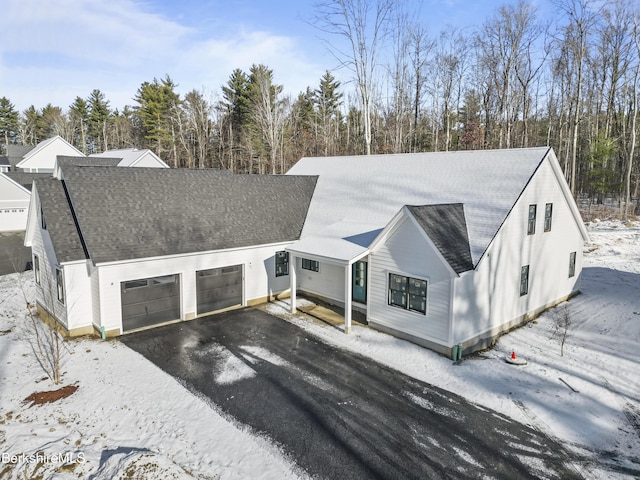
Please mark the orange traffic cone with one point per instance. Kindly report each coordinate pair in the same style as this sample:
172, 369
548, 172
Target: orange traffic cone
513, 355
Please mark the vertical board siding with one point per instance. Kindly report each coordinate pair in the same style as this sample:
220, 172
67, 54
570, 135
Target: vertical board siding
407, 252
490, 296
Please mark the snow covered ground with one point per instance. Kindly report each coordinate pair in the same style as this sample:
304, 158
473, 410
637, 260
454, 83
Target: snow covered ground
128, 419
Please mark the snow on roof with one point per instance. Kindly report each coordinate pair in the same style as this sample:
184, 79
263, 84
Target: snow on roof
359, 194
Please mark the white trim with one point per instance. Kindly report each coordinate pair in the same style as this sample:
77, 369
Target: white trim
183, 255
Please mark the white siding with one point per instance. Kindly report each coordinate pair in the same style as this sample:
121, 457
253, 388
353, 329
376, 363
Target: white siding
259, 278
14, 204
78, 299
490, 297
407, 252
46, 293
328, 282
148, 160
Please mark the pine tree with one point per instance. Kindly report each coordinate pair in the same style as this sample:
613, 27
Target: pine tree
8, 121
99, 120
79, 118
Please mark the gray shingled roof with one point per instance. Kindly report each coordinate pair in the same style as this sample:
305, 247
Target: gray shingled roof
4, 161
25, 178
127, 213
446, 226
65, 160
59, 220
16, 152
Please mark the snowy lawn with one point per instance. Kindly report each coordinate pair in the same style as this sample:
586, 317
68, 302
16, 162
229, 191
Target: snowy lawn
128, 419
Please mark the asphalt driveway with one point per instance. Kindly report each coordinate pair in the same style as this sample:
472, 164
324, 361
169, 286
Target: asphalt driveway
341, 415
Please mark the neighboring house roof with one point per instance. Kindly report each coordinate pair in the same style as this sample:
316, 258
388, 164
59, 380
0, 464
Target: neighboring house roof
357, 196
16, 152
4, 161
26, 179
61, 145
131, 156
59, 220
66, 160
147, 212
446, 226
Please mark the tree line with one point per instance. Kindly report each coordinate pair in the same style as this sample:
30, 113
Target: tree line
516, 80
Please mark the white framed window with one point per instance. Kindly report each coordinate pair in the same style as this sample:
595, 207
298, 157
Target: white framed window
282, 263
60, 284
572, 264
531, 222
548, 213
36, 268
408, 293
524, 280
312, 265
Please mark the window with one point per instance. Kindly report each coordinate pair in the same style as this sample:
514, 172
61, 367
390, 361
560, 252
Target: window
531, 225
36, 268
524, 280
42, 221
408, 293
135, 284
312, 265
60, 284
548, 212
572, 264
282, 263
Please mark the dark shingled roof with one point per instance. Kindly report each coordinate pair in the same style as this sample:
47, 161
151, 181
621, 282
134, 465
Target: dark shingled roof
25, 178
4, 161
16, 152
60, 223
127, 213
446, 226
65, 160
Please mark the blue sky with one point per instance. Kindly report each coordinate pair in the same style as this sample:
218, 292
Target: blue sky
55, 50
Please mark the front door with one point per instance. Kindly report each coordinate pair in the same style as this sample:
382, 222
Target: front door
359, 281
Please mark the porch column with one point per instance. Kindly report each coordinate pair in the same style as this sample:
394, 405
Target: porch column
292, 281
347, 298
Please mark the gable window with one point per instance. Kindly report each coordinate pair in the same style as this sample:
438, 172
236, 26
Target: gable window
312, 265
60, 284
548, 213
531, 224
524, 280
42, 220
282, 263
36, 268
572, 264
408, 293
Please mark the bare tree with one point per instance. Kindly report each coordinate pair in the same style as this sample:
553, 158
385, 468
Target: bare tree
562, 325
364, 32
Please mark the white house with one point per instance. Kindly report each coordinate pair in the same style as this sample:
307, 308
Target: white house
14, 203
133, 157
42, 158
115, 249
443, 249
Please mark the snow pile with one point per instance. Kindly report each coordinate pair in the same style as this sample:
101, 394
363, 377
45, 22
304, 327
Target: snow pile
128, 419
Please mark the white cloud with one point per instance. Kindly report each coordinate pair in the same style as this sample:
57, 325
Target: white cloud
55, 51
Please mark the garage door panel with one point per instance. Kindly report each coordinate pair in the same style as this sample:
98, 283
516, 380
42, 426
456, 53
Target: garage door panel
219, 288
150, 301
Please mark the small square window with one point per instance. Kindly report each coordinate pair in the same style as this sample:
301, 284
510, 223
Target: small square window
312, 265
548, 213
282, 263
572, 264
524, 280
531, 224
